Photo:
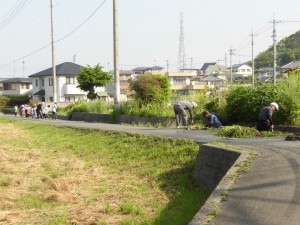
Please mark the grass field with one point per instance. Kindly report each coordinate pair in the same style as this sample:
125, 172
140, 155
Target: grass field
58, 175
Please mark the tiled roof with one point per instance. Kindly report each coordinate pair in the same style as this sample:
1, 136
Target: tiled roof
17, 80
205, 65
291, 65
67, 68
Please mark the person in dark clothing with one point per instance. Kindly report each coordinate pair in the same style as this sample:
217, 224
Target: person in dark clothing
211, 120
265, 121
39, 111
180, 113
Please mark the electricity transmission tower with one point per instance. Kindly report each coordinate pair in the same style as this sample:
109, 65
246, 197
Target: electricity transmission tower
181, 54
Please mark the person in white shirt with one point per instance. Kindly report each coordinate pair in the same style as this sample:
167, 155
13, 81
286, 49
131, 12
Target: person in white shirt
54, 109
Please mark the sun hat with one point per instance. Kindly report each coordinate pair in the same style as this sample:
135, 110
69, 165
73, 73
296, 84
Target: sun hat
276, 105
194, 104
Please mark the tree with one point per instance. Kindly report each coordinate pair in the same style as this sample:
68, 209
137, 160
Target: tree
91, 77
151, 88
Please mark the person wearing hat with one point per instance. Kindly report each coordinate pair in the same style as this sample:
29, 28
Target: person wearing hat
179, 110
265, 122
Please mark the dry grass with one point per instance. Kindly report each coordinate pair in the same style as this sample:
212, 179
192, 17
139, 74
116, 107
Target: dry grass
44, 186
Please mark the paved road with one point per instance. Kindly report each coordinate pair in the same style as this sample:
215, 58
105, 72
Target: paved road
268, 195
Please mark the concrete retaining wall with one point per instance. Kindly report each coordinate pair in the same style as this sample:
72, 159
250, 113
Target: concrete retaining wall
125, 119
92, 117
212, 164
213, 169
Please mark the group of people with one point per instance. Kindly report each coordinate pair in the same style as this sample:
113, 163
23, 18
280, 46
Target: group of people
40, 111
264, 122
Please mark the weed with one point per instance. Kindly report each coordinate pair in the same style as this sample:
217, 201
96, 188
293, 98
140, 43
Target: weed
33, 202
108, 209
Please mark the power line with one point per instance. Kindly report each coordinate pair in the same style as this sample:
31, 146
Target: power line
14, 11
24, 27
72, 32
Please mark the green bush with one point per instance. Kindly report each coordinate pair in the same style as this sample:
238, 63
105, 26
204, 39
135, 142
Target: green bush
245, 103
17, 100
148, 110
3, 102
98, 106
8, 110
151, 89
289, 100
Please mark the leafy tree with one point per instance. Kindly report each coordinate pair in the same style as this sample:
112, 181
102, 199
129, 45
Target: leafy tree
288, 50
151, 89
91, 77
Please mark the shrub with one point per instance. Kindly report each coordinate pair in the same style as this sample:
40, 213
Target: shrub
147, 110
245, 103
151, 89
98, 106
3, 102
289, 100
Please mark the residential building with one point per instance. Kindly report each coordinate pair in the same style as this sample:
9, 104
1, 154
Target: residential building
17, 86
295, 65
183, 83
205, 66
148, 70
125, 75
213, 81
66, 82
241, 71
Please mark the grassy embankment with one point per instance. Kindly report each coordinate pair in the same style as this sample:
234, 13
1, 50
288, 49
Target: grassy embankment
57, 175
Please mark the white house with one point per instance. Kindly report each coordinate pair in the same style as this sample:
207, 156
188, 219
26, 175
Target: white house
17, 86
241, 71
67, 90
182, 82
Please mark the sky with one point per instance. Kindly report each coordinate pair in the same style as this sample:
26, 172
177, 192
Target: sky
149, 32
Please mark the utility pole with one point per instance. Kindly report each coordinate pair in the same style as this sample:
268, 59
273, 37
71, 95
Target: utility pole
274, 50
116, 55
231, 53
252, 43
226, 70
218, 61
181, 53
23, 62
53, 56
167, 65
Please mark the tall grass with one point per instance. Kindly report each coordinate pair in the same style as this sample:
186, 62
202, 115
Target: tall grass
149, 110
98, 106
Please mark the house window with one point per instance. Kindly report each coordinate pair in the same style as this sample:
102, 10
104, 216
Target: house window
9, 86
70, 99
50, 81
243, 70
36, 82
179, 80
248, 70
43, 83
25, 86
51, 99
70, 80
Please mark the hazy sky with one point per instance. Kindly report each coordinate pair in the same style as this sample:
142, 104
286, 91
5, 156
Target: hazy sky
149, 31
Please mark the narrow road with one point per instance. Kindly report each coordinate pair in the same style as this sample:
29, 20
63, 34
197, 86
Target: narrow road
268, 195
